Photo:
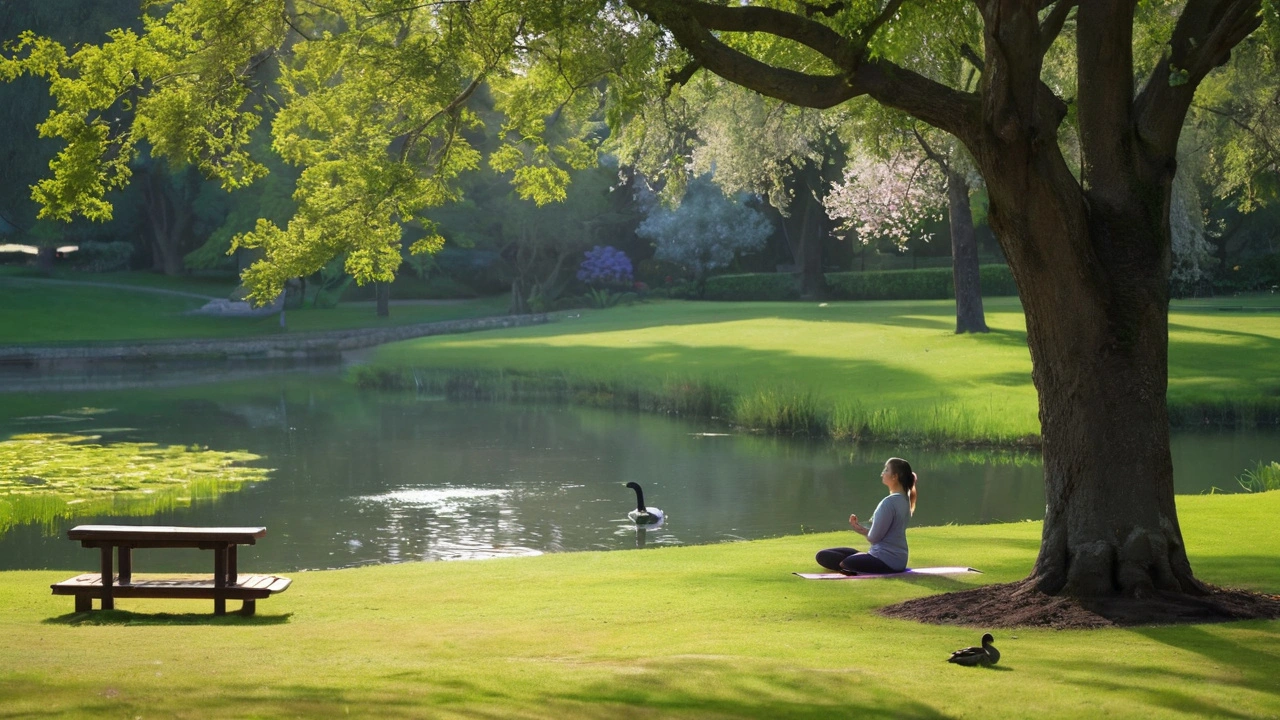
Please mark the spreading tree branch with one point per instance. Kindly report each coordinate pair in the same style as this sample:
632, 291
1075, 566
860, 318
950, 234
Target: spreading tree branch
753, 18
1104, 54
1203, 38
1052, 24
692, 25
682, 76
930, 152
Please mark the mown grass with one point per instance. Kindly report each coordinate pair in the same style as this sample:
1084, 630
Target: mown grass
36, 313
885, 370
720, 631
211, 285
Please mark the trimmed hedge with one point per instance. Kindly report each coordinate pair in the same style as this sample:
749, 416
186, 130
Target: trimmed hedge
753, 286
922, 284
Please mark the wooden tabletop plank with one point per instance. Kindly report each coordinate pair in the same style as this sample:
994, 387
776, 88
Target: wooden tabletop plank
279, 584
253, 586
161, 533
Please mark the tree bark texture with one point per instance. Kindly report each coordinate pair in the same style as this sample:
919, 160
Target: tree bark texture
970, 317
1094, 287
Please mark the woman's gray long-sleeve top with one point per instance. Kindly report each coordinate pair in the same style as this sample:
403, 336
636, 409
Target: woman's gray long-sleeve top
888, 531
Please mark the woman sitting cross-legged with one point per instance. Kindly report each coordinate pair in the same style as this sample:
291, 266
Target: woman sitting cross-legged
888, 531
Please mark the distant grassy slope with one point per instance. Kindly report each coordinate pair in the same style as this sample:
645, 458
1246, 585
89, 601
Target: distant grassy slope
718, 631
898, 364
35, 313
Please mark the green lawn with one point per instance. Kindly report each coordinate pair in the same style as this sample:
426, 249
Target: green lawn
894, 368
213, 286
35, 313
721, 631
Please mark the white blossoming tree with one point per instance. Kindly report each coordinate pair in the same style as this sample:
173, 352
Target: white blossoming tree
706, 231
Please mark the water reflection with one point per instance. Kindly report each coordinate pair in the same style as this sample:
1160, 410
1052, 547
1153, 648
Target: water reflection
359, 478
449, 523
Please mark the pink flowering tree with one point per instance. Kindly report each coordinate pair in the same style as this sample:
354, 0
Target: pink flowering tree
879, 198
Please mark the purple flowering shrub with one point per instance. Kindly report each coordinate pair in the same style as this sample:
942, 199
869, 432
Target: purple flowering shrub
605, 265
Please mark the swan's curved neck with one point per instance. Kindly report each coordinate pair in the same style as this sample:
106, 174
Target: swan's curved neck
639, 500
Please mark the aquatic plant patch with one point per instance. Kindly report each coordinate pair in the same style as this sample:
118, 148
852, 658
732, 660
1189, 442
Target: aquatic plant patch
45, 476
1262, 478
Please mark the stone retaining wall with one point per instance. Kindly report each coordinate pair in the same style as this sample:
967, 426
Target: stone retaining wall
298, 346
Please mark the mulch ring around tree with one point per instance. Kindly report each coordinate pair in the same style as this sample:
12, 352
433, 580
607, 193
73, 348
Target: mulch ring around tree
1019, 604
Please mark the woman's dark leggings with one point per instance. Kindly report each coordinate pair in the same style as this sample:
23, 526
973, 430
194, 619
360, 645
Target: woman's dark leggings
852, 562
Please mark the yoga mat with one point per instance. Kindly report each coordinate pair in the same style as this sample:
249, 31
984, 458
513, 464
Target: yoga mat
908, 571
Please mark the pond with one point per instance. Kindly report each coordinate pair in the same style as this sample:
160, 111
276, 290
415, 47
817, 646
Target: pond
343, 478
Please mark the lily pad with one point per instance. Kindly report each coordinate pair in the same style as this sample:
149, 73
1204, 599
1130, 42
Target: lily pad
46, 476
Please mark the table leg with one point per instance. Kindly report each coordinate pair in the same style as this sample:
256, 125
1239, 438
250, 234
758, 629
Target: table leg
108, 602
219, 579
126, 564
233, 575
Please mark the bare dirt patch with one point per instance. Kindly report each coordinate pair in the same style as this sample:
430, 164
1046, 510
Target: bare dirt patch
1019, 604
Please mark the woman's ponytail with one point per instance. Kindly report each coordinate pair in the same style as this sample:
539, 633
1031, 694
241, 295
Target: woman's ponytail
907, 479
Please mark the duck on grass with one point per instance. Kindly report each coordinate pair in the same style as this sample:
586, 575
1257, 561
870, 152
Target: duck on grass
984, 655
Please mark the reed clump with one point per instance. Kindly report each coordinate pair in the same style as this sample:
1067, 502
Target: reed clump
782, 412
774, 410
1261, 478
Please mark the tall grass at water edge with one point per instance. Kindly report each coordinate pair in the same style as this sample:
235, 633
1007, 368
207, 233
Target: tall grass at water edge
778, 411
1263, 477
672, 395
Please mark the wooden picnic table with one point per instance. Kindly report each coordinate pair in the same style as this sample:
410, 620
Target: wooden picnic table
226, 583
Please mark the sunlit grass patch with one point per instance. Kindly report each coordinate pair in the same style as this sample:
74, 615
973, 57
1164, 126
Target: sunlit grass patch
871, 370
710, 631
45, 476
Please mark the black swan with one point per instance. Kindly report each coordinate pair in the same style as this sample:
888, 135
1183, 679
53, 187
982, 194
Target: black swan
643, 515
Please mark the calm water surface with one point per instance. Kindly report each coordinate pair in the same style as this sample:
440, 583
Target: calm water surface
361, 478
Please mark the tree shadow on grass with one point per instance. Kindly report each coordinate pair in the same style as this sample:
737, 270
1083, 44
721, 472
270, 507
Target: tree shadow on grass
674, 687
1253, 667
1009, 379
1105, 675
125, 617
671, 687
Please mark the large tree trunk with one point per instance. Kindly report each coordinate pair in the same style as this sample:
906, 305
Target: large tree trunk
45, 256
1094, 286
518, 305
382, 291
813, 284
169, 219
970, 317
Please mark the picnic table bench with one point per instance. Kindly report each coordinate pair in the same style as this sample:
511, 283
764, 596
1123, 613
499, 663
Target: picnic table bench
225, 584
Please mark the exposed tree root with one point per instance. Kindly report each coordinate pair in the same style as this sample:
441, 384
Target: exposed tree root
1021, 605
